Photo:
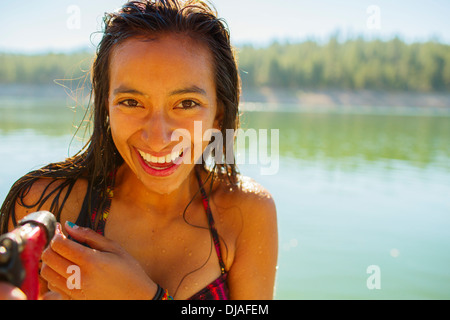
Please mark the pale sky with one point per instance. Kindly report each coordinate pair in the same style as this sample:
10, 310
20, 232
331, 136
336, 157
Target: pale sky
42, 25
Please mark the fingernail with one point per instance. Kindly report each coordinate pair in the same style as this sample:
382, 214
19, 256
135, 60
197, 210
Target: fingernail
58, 229
71, 225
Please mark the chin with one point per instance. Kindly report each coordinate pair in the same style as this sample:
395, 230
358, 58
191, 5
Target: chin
167, 185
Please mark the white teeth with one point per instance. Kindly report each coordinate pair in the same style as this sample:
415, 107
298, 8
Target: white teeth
167, 159
175, 155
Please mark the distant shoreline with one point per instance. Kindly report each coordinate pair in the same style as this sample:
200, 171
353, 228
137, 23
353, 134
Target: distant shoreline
305, 98
336, 98
18, 91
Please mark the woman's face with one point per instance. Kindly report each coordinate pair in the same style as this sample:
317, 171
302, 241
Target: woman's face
162, 89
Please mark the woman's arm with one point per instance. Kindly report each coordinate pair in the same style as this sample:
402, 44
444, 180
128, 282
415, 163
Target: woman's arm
252, 274
44, 189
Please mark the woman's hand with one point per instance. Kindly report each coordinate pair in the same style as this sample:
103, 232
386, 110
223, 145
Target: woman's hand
105, 271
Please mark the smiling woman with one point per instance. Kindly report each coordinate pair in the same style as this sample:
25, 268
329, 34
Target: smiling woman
179, 91
140, 215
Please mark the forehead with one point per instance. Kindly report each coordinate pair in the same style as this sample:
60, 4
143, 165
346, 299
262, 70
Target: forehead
164, 58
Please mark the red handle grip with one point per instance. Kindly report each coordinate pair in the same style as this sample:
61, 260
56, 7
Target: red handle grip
36, 243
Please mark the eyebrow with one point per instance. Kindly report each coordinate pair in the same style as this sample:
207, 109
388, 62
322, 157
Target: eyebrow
192, 89
127, 90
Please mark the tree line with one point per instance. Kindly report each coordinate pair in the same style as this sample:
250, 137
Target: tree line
43, 69
351, 65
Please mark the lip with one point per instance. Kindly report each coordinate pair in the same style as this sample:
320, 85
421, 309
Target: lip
170, 168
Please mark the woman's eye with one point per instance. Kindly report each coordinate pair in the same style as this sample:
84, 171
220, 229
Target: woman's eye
188, 104
130, 103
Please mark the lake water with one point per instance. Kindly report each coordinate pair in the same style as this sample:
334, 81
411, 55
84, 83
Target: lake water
363, 194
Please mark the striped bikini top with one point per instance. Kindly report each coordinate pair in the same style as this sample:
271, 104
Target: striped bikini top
218, 289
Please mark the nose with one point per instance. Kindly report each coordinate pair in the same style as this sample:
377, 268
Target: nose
157, 131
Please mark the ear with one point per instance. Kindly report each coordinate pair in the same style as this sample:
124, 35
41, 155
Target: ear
107, 113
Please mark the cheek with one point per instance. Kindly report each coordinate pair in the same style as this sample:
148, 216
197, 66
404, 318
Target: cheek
114, 123
201, 136
121, 131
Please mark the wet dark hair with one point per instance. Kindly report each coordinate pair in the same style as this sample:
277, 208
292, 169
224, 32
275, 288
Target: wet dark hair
100, 157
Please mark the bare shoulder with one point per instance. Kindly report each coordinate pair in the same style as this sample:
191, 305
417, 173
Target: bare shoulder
254, 193
258, 206
250, 196
248, 208
251, 229
45, 193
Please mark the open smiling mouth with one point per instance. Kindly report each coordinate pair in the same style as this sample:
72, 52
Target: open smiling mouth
160, 166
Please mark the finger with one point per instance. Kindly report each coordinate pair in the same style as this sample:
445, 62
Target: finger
52, 277
55, 261
70, 250
65, 293
56, 291
58, 229
51, 295
91, 238
59, 284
